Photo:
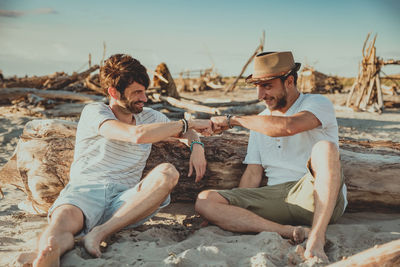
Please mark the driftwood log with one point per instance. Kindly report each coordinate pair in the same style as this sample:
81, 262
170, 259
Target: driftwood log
189, 106
167, 84
381, 255
15, 93
41, 161
58, 80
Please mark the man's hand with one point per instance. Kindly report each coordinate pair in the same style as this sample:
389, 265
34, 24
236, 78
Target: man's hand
219, 123
203, 127
198, 161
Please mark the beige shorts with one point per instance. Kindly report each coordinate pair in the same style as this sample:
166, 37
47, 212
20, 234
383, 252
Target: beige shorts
288, 203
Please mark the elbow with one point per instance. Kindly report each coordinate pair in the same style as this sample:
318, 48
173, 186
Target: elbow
137, 136
290, 128
285, 129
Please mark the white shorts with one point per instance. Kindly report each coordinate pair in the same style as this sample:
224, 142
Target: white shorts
98, 202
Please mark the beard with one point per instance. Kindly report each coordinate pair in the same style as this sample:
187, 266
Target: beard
131, 106
280, 101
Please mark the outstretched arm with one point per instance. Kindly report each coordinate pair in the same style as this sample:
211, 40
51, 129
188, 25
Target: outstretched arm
147, 133
273, 126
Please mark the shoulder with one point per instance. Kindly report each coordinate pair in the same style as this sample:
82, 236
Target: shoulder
150, 115
149, 111
316, 99
96, 106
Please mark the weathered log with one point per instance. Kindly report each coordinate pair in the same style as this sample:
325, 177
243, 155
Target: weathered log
54, 81
89, 83
189, 106
14, 93
61, 82
169, 87
227, 103
244, 110
381, 255
45, 150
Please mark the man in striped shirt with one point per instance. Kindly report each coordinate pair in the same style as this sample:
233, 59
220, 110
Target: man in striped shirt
105, 192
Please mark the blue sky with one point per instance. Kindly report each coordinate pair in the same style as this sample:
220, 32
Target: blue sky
39, 37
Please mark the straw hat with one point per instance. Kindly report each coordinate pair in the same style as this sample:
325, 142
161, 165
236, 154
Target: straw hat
272, 65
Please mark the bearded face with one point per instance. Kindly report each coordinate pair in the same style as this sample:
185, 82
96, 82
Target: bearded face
274, 93
133, 98
134, 106
280, 101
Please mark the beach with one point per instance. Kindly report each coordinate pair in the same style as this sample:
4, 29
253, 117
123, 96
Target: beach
174, 236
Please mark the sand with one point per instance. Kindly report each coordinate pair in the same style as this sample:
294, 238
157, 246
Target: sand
174, 236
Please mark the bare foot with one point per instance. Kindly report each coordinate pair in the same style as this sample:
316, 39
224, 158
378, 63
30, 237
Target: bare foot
300, 234
26, 258
315, 250
49, 256
92, 242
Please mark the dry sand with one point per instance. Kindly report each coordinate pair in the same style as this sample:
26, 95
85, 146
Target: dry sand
173, 237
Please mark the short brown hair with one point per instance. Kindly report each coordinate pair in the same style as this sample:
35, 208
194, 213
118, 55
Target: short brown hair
120, 70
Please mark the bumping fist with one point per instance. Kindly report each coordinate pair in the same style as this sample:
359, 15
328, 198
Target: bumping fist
219, 124
203, 127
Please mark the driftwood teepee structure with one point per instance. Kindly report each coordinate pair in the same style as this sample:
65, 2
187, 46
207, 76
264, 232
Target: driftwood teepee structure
366, 90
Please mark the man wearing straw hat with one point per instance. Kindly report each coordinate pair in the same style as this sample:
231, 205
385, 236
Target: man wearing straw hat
294, 143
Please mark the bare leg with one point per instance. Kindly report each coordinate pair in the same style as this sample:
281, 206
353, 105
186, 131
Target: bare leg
326, 166
154, 189
58, 237
216, 209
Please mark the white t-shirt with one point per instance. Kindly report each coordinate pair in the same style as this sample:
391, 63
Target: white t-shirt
101, 160
284, 159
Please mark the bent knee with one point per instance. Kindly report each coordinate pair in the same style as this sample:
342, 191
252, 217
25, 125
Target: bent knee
168, 169
207, 198
66, 211
170, 174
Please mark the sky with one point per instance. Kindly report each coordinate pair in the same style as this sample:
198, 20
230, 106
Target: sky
40, 37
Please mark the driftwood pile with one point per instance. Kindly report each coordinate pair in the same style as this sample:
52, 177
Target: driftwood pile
58, 94
199, 80
41, 161
366, 92
65, 95
312, 81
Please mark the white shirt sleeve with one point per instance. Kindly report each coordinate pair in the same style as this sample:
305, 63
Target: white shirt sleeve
93, 115
322, 108
253, 153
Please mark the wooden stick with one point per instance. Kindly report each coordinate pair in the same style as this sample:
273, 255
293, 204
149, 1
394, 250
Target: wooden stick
92, 86
379, 92
158, 75
14, 93
381, 255
244, 110
353, 88
365, 43
364, 104
189, 106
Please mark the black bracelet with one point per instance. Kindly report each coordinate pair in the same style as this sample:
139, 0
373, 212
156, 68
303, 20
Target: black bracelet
228, 119
184, 126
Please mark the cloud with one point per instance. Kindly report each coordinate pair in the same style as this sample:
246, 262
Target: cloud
10, 13
18, 13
